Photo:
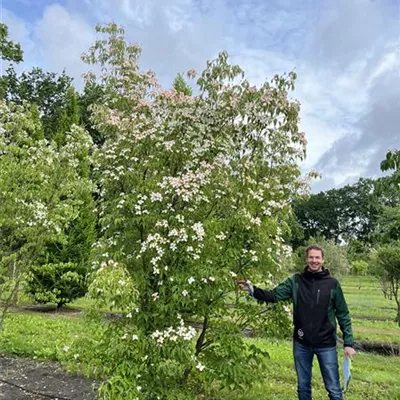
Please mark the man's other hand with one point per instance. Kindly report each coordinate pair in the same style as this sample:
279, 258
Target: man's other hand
244, 285
349, 352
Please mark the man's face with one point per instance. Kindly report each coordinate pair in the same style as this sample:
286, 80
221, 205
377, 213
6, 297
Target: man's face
315, 260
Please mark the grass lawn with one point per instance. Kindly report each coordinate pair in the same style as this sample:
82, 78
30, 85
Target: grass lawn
374, 377
373, 315
366, 300
46, 336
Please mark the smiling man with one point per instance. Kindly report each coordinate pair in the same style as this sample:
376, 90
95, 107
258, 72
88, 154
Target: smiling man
318, 302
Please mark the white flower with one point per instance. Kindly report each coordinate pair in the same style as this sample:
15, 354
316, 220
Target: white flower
155, 296
211, 279
199, 230
287, 309
200, 367
156, 271
191, 280
233, 274
135, 337
76, 356
129, 315
66, 348
124, 336
221, 236
185, 293
256, 221
155, 197
138, 388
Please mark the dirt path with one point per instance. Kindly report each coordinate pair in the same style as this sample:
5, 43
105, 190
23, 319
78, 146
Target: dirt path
23, 379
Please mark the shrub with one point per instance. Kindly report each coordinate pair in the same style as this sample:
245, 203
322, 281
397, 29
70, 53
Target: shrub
56, 283
359, 267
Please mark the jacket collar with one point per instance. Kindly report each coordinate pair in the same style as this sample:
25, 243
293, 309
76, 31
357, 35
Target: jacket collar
316, 275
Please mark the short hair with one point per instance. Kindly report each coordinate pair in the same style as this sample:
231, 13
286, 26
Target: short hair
315, 247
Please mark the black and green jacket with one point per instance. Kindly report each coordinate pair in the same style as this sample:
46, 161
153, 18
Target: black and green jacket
317, 302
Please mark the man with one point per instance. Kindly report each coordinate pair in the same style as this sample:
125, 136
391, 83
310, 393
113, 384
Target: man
317, 302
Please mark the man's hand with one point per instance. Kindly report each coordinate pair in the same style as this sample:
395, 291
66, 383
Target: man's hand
244, 285
349, 352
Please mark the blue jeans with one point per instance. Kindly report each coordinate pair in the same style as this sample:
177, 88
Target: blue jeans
328, 363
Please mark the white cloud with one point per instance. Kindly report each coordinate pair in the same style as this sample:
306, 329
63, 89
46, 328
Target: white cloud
19, 32
61, 37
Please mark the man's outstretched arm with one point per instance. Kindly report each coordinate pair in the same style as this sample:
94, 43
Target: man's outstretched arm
283, 291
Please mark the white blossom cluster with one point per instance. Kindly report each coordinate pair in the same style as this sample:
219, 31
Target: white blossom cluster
171, 334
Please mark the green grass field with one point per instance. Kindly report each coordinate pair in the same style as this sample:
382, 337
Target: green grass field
374, 376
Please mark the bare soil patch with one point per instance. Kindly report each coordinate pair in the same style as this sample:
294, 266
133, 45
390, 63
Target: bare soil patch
23, 379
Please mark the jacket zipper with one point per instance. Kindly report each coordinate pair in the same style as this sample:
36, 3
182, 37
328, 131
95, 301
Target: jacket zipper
318, 296
312, 304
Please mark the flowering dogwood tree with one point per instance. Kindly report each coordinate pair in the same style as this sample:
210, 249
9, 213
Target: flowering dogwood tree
194, 191
42, 189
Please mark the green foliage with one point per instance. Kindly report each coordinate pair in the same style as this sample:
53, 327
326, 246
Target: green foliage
347, 213
336, 259
93, 93
317, 215
70, 115
359, 267
392, 162
358, 250
9, 51
43, 191
388, 225
295, 232
385, 265
187, 203
56, 283
181, 86
47, 90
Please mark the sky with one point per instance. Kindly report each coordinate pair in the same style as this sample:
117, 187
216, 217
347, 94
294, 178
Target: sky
346, 54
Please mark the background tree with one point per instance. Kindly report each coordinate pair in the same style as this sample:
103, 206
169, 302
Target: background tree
9, 51
392, 163
92, 94
318, 215
388, 225
385, 265
349, 213
181, 86
42, 190
70, 115
47, 90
